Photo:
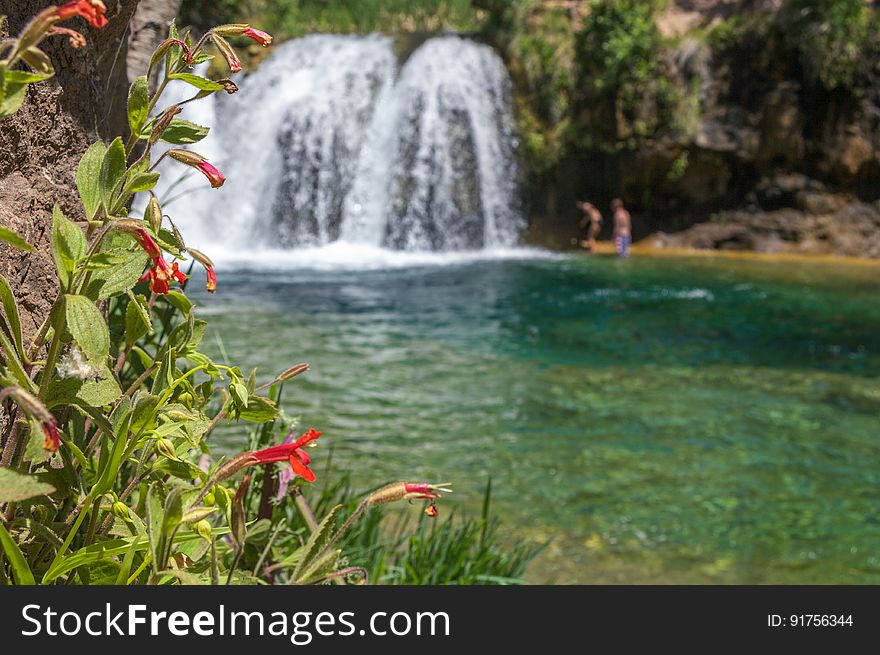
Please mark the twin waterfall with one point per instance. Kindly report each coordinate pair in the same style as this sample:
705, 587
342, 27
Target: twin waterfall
330, 140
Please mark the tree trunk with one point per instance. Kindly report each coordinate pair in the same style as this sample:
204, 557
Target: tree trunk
41, 144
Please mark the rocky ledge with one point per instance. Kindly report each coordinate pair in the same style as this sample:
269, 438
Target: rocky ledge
790, 214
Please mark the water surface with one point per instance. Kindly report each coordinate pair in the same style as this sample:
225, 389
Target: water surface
684, 419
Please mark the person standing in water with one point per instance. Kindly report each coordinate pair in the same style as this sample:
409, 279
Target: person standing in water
622, 228
592, 220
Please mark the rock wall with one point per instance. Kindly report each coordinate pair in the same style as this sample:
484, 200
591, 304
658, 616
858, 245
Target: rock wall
40, 145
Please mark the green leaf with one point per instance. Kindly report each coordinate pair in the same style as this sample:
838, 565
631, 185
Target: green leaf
15, 486
141, 182
12, 99
111, 468
317, 542
112, 174
259, 410
10, 308
162, 523
102, 260
69, 245
84, 393
180, 301
87, 326
183, 132
88, 178
123, 276
25, 77
13, 239
21, 572
138, 103
319, 568
34, 452
174, 51
197, 81
137, 320
13, 363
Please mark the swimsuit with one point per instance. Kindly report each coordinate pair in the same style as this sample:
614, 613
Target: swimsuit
622, 244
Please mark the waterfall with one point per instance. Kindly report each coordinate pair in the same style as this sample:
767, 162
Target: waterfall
331, 141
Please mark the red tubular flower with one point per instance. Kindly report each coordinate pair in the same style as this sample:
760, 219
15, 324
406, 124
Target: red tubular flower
147, 243
204, 260
52, 440
408, 491
243, 29
258, 35
195, 160
161, 272
214, 176
293, 452
211, 284
92, 10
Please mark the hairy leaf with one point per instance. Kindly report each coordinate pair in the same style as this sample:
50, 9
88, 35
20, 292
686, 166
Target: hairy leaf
13, 239
15, 486
88, 178
138, 103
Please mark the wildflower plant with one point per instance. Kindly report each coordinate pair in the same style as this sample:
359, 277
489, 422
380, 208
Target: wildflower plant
106, 474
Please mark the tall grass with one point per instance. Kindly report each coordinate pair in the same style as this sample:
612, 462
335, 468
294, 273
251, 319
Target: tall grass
396, 549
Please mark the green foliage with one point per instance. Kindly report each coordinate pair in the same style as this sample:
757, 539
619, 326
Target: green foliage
292, 18
624, 89
835, 39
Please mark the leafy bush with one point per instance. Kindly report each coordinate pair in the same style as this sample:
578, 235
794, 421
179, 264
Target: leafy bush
833, 37
292, 18
106, 475
620, 75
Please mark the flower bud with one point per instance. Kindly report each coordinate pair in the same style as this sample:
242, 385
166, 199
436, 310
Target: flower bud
292, 372
120, 510
204, 530
190, 158
204, 260
228, 85
154, 213
228, 53
196, 514
239, 518
166, 447
209, 499
243, 29
163, 122
36, 410
407, 491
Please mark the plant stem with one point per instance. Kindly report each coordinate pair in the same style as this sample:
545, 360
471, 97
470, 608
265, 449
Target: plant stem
303, 506
93, 521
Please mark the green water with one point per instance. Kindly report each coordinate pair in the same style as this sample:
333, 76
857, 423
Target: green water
658, 419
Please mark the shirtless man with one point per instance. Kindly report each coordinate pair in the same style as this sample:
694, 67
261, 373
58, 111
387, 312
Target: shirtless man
622, 228
593, 218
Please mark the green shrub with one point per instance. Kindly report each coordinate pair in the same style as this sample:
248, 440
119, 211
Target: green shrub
834, 38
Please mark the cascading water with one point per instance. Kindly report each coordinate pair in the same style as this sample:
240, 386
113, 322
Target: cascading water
329, 142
